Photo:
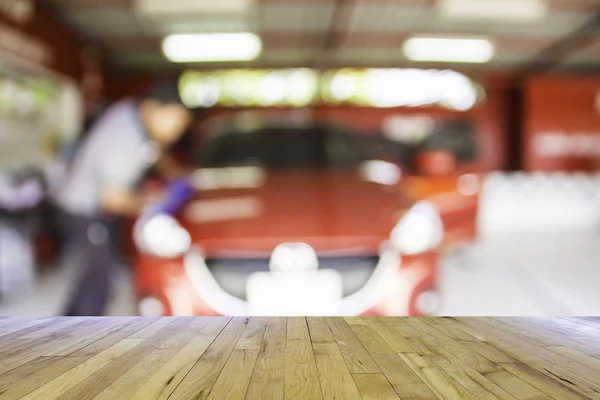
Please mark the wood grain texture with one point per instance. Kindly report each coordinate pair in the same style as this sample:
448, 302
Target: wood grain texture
319, 330
374, 387
356, 356
336, 380
281, 358
268, 379
301, 378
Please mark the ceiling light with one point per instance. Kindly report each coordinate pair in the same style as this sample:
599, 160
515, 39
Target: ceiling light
187, 7
212, 47
511, 10
463, 50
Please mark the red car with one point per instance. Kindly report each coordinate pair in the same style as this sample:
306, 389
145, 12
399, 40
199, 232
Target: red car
289, 220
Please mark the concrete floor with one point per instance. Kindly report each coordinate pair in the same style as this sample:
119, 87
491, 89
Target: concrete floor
510, 273
525, 273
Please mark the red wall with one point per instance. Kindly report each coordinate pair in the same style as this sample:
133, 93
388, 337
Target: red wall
565, 107
45, 28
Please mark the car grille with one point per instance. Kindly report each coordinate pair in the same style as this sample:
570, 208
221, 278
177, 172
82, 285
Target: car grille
232, 273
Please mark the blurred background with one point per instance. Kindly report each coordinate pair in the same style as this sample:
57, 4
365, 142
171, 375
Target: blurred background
488, 109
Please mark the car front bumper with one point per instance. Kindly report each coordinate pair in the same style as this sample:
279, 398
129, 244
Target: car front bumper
186, 286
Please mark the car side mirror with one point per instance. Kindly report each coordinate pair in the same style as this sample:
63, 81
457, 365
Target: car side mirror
435, 163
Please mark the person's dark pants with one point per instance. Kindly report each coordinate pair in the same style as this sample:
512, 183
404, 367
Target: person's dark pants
93, 246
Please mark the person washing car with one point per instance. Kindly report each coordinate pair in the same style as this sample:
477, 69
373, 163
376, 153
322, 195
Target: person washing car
131, 137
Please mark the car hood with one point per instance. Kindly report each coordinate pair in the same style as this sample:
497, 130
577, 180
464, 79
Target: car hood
337, 212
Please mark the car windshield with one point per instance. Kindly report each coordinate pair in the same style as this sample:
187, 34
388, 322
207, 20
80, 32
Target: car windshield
282, 148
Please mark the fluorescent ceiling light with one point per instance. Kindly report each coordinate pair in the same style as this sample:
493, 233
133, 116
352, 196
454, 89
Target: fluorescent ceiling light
186, 7
463, 50
509, 10
212, 47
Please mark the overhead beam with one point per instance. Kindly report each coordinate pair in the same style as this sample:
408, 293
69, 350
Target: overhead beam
553, 56
333, 35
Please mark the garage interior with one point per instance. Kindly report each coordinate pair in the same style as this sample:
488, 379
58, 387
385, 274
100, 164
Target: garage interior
473, 124
533, 220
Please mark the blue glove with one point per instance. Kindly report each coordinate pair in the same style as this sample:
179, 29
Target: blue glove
180, 192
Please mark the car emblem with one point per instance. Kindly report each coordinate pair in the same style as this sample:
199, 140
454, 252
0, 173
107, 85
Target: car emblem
294, 257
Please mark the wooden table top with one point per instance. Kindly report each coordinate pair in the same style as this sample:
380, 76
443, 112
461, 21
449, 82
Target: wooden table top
299, 358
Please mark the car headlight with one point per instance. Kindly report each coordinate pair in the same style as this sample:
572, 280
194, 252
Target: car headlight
419, 230
162, 236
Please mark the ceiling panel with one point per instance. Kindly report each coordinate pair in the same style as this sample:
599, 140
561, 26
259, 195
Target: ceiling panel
296, 17
555, 25
574, 5
202, 25
102, 23
289, 57
363, 57
353, 32
587, 54
376, 17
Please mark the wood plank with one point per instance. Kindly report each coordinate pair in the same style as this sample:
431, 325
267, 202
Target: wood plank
268, 379
511, 340
299, 358
403, 379
161, 384
319, 330
297, 330
551, 387
42, 325
465, 374
489, 351
203, 375
355, 321
253, 334
435, 340
517, 387
73, 338
442, 384
128, 383
357, 358
374, 387
11, 349
149, 331
52, 329
394, 339
590, 321
550, 333
412, 335
487, 384
81, 372
10, 325
476, 333
458, 371
25, 372
577, 355
506, 343
301, 378
105, 376
41, 371
447, 328
336, 381
402, 327
370, 338
235, 377
78, 338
